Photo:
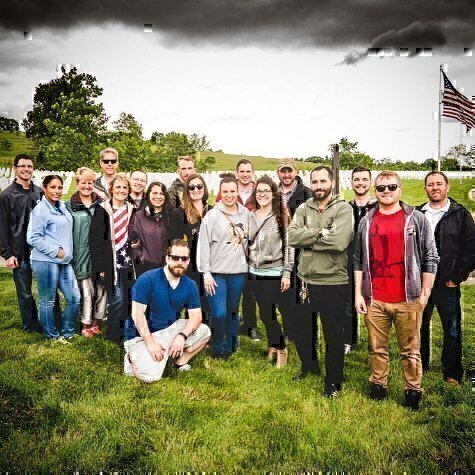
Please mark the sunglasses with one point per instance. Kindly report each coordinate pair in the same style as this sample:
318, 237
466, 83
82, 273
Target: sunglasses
107, 162
382, 188
193, 187
179, 258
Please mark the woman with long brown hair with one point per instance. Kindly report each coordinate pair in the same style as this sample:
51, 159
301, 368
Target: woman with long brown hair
186, 223
149, 229
270, 262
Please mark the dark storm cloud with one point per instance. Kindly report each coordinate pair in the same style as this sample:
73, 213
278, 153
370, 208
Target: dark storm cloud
351, 24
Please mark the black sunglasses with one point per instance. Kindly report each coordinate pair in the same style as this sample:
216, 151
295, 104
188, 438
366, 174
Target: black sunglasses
107, 162
179, 258
382, 188
198, 187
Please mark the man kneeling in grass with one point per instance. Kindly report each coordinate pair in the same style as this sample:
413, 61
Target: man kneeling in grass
165, 292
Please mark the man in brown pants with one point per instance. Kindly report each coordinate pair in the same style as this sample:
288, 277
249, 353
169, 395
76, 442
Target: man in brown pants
394, 264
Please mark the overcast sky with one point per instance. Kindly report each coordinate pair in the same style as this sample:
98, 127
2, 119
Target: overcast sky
260, 77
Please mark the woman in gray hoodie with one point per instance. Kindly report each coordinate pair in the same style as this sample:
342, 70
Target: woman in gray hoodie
222, 258
270, 262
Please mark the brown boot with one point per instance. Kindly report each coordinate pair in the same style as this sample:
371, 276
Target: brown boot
282, 356
271, 353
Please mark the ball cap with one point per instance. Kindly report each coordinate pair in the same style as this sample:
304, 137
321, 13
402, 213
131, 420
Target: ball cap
286, 163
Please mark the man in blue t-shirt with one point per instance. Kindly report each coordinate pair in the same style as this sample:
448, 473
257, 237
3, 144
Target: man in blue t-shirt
164, 292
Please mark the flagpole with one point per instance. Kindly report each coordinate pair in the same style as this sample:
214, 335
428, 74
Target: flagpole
440, 115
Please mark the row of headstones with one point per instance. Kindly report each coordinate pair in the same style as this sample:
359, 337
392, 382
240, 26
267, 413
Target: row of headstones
212, 178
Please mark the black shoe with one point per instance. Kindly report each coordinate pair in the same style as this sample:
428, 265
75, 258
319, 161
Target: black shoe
220, 356
254, 335
243, 330
331, 390
378, 392
412, 399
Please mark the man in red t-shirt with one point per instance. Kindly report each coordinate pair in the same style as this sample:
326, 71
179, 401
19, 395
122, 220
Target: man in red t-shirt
394, 262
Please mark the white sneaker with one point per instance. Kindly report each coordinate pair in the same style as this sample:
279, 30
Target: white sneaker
347, 349
185, 367
61, 341
128, 366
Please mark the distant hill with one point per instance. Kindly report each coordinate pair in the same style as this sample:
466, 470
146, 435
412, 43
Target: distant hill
19, 144
227, 161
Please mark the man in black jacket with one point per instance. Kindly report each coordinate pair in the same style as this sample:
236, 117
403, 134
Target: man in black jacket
454, 232
109, 164
16, 203
291, 186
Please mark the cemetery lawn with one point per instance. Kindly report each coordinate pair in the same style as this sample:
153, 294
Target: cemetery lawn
69, 408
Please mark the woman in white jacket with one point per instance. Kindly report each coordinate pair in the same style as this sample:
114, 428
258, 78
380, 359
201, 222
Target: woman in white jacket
222, 258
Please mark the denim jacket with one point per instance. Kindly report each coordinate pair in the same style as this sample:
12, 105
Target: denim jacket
50, 228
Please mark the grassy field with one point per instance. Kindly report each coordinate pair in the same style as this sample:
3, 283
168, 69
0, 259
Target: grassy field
70, 408
20, 144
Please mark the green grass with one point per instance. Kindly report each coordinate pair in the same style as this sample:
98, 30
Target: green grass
20, 144
70, 408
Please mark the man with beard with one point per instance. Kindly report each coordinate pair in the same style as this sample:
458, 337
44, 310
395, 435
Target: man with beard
322, 227
186, 168
158, 298
394, 263
454, 233
291, 185
361, 203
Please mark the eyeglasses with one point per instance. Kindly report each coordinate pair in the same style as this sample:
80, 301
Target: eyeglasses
107, 162
263, 192
382, 188
179, 258
193, 187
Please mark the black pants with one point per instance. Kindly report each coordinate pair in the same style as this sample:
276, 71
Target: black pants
330, 302
266, 291
249, 317
197, 277
447, 302
352, 322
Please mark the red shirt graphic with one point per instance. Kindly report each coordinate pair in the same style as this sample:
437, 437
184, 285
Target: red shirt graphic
386, 253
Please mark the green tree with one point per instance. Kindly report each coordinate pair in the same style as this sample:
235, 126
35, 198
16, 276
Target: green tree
9, 125
67, 123
127, 138
351, 157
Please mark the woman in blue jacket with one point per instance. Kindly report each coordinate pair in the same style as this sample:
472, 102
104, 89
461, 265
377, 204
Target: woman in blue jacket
50, 233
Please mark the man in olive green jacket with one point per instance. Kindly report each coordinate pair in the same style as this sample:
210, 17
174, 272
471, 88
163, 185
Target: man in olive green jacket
323, 228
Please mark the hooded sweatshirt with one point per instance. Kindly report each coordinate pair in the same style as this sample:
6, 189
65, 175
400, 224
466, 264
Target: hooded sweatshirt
222, 246
324, 238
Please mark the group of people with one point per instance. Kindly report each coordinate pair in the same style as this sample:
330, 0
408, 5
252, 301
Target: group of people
138, 255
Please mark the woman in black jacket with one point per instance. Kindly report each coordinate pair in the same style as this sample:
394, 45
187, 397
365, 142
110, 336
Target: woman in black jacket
186, 224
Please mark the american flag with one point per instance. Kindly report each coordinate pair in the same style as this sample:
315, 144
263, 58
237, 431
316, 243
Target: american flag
457, 106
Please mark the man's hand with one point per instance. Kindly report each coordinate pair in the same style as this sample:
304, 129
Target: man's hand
450, 284
210, 285
61, 253
154, 348
360, 304
176, 348
12, 262
284, 284
423, 299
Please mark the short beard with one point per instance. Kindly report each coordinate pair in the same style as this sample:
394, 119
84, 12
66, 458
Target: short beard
325, 195
359, 193
173, 271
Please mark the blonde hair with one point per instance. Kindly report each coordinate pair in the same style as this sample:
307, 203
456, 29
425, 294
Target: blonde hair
85, 172
187, 158
119, 177
109, 150
388, 174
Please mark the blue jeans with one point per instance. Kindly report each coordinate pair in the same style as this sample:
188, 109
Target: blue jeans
119, 302
22, 276
50, 277
224, 306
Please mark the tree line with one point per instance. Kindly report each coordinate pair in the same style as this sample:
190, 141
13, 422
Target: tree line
69, 126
